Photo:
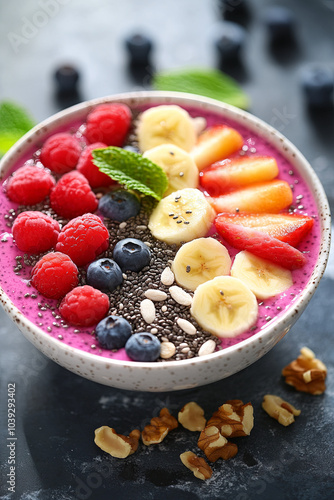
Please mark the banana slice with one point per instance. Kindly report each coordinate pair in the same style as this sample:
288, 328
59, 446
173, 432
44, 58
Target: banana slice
181, 217
199, 261
178, 165
224, 306
166, 124
261, 276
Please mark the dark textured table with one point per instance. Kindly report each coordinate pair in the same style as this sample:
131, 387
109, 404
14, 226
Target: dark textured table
56, 411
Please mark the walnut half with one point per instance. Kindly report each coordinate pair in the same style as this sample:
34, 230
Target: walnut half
215, 445
279, 409
306, 373
116, 445
233, 419
196, 464
159, 427
191, 416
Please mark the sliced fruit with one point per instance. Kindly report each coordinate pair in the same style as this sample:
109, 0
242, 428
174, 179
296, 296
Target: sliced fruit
290, 228
216, 143
272, 196
181, 217
199, 261
177, 164
224, 306
166, 124
264, 278
226, 175
261, 244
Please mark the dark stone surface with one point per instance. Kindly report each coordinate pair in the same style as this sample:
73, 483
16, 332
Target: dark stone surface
57, 411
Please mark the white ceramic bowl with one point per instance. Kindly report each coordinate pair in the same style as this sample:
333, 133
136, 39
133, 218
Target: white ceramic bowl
174, 375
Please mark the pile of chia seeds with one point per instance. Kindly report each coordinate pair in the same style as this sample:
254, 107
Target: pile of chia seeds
126, 299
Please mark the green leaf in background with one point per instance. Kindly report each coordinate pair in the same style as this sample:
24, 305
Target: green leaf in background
132, 170
14, 123
206, 82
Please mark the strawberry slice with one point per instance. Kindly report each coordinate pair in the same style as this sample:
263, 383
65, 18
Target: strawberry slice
265, 197
216, 143
234, 173
290, 228
261, 244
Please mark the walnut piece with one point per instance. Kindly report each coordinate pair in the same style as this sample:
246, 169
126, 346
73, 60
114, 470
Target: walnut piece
215, 445
279, 409
191, 416
159, 427
233, 419
306, 373
116, 445
197, 465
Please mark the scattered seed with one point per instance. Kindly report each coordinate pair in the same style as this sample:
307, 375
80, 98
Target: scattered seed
207, 348
154, 331
167, 276
181, 174
175, 217
122, 225
155, 295
164, 309
147, 310
167, 350
186, 326
180, 296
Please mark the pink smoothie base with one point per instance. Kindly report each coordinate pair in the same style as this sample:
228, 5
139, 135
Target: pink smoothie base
16, 286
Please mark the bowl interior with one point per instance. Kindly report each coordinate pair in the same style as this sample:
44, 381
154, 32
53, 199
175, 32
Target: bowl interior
172, 375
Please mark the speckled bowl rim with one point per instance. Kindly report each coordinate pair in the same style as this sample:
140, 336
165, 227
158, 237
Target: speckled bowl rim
266, 131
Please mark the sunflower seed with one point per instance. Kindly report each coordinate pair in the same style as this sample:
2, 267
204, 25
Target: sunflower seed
207, 348
167, 276
180, 296
186, 326
147, 310
155, 295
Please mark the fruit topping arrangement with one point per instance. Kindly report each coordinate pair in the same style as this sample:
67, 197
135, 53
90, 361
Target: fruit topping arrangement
163, 235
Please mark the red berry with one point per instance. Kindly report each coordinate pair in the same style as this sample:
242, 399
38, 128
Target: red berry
108, 123
72, 196
87, 168
35, 232
261, 244
84, 306
54, 275
60, 153
29, 185
83, 239
290, 228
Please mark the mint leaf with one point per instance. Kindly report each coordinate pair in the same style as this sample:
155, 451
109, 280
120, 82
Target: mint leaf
132, 170
206, 82
14, 123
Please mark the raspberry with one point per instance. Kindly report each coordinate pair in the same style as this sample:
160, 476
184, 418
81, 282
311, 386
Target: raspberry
87, 168
108, 123
84, 306
35, 232
60, 153
29, 185
83, 239
72, 196
54, 275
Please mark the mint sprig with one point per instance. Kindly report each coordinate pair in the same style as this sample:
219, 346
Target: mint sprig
206, 82
132, 170
14, 123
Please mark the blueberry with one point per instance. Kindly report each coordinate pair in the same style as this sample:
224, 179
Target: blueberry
231, 40
139, 48
143, 347
113, 332
104, 274
119, 205
280, 22
131, 254
318, 84
67, 78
